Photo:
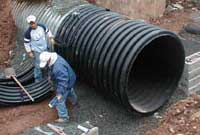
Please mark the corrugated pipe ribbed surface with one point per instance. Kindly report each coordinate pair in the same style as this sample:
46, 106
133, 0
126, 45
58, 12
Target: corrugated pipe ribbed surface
24, 75
45, 12
21, 9
11, 93
135, 63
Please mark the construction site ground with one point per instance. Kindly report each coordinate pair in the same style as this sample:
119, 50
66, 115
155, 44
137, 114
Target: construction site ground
180, 116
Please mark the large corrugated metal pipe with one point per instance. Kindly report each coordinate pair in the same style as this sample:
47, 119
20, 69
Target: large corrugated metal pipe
135, 63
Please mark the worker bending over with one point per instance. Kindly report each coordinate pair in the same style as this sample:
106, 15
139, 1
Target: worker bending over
64, 79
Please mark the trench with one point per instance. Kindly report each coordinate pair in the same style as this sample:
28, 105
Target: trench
133, 62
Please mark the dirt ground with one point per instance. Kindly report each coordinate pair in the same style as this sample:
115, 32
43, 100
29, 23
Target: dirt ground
173, 21
7, 32
182, 118
15, 120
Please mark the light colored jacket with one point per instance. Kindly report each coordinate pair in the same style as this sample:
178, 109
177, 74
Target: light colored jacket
35, 39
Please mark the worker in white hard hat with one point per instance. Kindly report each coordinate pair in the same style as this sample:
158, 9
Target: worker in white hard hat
64, 79
35, 42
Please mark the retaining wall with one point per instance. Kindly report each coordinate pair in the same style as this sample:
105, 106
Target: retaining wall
143, 9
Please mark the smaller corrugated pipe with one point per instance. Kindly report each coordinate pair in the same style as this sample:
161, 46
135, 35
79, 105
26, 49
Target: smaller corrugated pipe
27, 79
24, 74
135, 63
10, 95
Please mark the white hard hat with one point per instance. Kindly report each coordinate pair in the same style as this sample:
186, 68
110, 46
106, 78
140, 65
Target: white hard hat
44, 57
31, 18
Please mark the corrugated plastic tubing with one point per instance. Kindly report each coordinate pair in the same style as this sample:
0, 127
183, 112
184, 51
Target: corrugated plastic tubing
137, 64
24, 74
11, 95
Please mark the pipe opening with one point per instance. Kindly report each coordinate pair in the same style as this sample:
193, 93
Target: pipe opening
155, 73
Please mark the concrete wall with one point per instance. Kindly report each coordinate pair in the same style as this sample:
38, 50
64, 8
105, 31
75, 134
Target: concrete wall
191, 81
139, 9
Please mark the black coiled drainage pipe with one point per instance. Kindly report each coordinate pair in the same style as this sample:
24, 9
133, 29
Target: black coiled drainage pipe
24, 74
133, 62
11, 94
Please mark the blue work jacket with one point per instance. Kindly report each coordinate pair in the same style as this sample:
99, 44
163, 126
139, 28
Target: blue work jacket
63, 75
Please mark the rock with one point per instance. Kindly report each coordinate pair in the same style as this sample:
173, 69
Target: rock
194, 9
194, 127
11, 54
195, 116
195, 16
171, 130
173, 7
193, 28
177, 112
195, 2
178, 6
157, 116
170, 8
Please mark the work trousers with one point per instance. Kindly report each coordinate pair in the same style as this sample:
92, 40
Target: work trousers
37, 70
61, 104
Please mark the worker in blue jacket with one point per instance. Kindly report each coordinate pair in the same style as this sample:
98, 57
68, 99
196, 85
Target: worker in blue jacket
64, 79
